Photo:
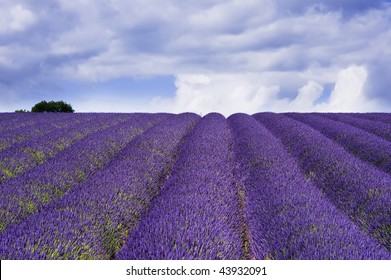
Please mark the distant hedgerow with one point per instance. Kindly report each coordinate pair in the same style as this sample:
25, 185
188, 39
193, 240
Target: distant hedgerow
53, 107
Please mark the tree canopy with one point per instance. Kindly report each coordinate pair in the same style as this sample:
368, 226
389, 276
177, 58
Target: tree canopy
53, 106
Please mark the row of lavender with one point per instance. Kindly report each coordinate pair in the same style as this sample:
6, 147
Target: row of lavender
271, 186
288, 216
93, 219
356, 187
19, 129
32, 151
29, 192
196, 216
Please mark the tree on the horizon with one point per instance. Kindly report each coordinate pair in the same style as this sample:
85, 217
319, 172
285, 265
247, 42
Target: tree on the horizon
52, 107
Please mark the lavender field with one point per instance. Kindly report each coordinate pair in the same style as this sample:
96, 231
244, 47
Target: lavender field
166, 186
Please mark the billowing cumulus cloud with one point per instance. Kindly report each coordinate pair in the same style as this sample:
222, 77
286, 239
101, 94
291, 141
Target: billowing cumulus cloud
227, 56
230, 93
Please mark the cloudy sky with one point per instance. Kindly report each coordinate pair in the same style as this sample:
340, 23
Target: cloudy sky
199, 56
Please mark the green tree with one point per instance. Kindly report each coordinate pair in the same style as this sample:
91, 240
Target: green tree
53, 106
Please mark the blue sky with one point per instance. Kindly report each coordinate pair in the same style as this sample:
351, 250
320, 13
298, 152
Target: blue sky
199, 56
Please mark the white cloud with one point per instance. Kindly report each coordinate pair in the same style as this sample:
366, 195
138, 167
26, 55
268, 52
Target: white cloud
228, 37
21, 18
18, 57
304, 101
16, 18
224, 93
230, 93
348, 94
219, 18
229, 55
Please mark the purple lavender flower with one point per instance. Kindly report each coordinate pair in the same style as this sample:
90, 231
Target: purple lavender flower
197, 215
360, 143
165, 186
92, 221
355, 187
288, 216
28, 193
25, 155
376, 127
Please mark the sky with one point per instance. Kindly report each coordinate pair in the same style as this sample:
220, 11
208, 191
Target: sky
197, 56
